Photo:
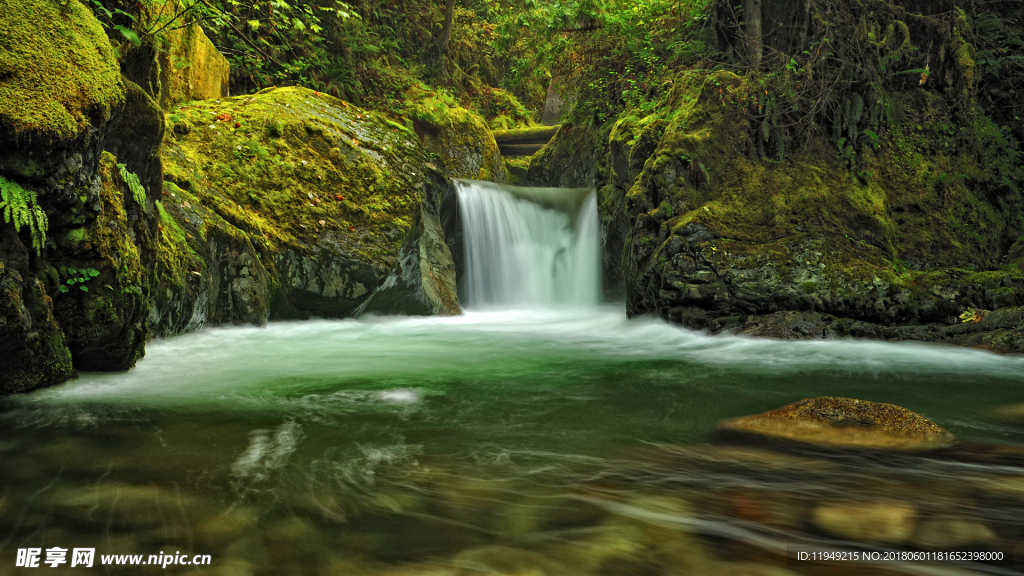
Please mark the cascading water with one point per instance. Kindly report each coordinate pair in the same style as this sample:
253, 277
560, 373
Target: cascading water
529, 246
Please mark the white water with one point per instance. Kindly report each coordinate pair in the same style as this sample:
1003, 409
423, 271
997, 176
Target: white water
521, 254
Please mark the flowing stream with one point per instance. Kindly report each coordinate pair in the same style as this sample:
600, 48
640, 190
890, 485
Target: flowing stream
540, 433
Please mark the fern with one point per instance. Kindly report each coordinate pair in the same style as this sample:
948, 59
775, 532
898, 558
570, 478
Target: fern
138, 192
20, 208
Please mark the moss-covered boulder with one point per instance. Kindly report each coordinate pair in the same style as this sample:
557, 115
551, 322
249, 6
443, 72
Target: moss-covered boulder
459, 137
284, 204
191, 67
60, 87
843, 423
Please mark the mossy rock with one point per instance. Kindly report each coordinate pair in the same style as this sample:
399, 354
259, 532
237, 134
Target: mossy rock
191, 67
318, 194
842, 423
135, 139
58, 73
719, 238
103, 282
458, 136
33, 351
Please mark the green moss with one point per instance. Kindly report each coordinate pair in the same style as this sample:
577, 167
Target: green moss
459, 136
111, 237
175, 256
58, 72
289, 165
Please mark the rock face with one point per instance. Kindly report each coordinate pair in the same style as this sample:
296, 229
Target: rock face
291, 203
75, 283
700, 227
424, 279
843, 423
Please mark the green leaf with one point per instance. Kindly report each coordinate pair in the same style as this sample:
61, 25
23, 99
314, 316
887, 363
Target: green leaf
63, 288
71, 281
129, 35
254, 24
92, 272
83, 288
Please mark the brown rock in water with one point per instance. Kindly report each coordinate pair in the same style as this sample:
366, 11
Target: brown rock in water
843, 423
876, 522
1013, 413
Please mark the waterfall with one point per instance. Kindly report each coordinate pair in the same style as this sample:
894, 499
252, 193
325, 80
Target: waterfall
529, 246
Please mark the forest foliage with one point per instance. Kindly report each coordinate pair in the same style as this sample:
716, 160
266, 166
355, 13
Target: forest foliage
812, 66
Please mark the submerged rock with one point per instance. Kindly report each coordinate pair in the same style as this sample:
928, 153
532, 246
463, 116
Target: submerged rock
949, 533
876, 522
842, 423
1013, 413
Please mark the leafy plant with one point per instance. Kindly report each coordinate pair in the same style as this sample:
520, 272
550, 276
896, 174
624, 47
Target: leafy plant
133, 183
78, 277
20, 208
972, 316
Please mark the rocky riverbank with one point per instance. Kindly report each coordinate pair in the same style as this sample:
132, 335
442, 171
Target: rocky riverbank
131, 221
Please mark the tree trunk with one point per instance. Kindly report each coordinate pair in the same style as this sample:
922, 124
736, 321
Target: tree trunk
752, 16
446, 34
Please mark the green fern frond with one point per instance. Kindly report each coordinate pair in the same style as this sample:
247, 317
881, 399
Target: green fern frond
138, 192
20, 208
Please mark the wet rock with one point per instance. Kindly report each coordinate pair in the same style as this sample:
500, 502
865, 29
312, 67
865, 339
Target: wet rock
1011, 487
424, 279
877, 522
841, 423
1013, 413
118, 504
103, 314
951, 533
227, 526
33, 348
63, 95
763, 507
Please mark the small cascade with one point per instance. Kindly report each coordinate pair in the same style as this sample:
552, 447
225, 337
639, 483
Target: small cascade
529, 246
